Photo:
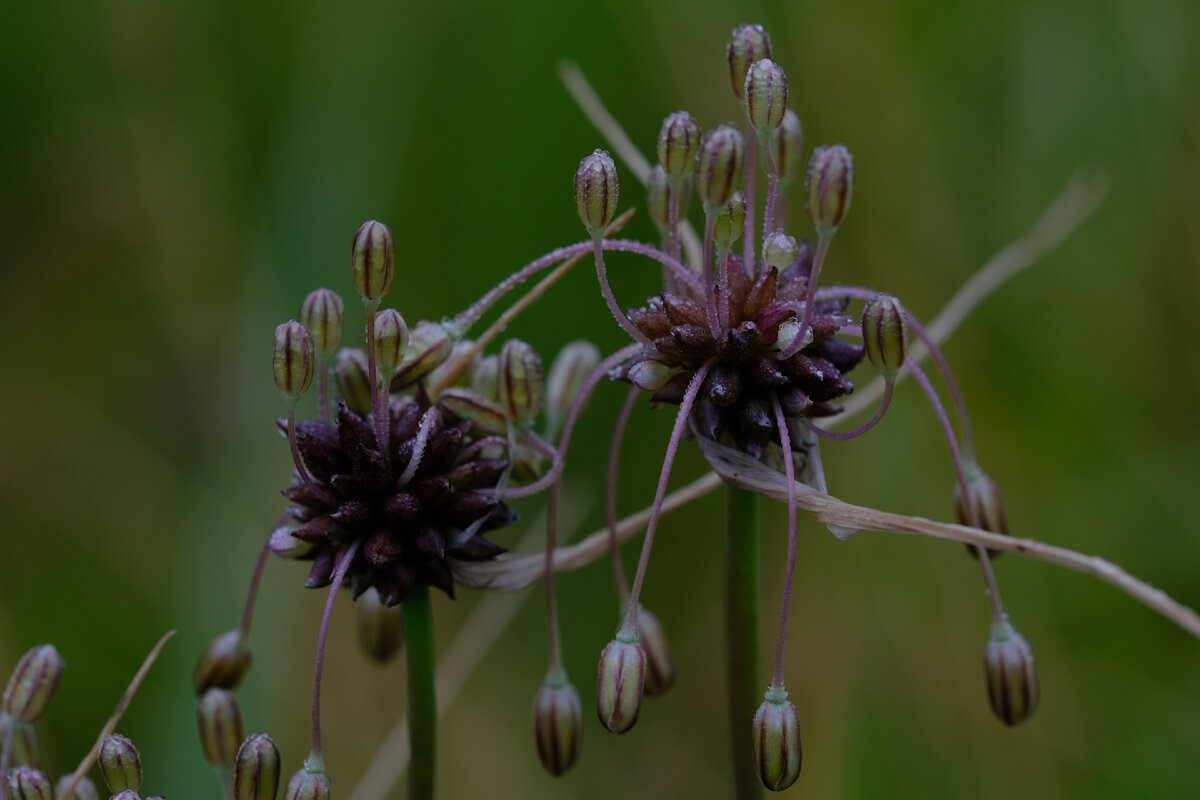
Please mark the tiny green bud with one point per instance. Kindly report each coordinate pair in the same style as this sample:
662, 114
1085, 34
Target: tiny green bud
749, 43
766, 95
29, 783
786, 145
719, 166
777, 753
829, 187
120, 764
220, 724
570, 370
980, 506
885, 334
620, 681
658, 198
223, 663
309, 783
596, 191
677, 144
372, 260
429, 345
788, 330
23, 748
323, 313
350, 373
485, 377
522, 389
779, 250
293, 361
557, 723
33, 683
650, 376
391, 340
285, 544
256, 771
487, 415
660, 666
380, 627
730, 220
1012, 680
84, 790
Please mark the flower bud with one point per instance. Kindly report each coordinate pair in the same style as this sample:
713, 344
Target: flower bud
779, 250
749, 43
766, 95
658, 198
777, 752
557, 723
223, 663
309, 783
33, 683
885, 334
220, 724
485, 414
596, 191
620, 681
522, 390
980, 506
441, 375
1012, 680
128, 794
322, 314
372, 260
660, 666
379, 626
84, 790
428, 346
285, 544
485, 377
352, 379
293, 361
23, 747
570, 370
120, 764
730, 221
256, 771
719, 165
650, 376
391, 340
28, 783
786, 145
830, 187
677, 144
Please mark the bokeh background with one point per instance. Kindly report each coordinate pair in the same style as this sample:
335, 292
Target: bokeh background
177, 176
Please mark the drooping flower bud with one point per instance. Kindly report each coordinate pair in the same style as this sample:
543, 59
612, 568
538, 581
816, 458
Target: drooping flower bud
980, 506
322, 313
372, 260
391, 340
223, 663
84, 790
730, 221
779, 250
660, 666
293, 360
620, 681
429, 345
568, 373
485, 377
557, 723
522, 390
33, 683
719, 166
777, 753
786, 145
28, 783
829, 187
487, 415
220, 724
596, 191
766, 95
885, 334
1012, 680
749, 43
677, 144
120, 764
380, 627
350, 373
309, 783
256, 773
23, 747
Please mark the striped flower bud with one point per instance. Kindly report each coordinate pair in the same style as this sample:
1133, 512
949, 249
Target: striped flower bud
293, 361
570, 370
372, 260
660, 666
220, 724
777, 752
429, 345
380, 627
786, 145
779, 250
749, 43
120, 764
486, 415
766, 95
256, 771
309, 783
719, 166
223, 663
557, 723
23, 747
1012, 680
596, 191
485, 377
350, 373
29, 783
391, 340
620, 681
980, 506
322, 313
730, 221
522, 389
33, 683
677, 144
885, 334
84, 790
829, 187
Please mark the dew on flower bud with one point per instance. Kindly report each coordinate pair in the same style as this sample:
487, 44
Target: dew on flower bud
372, 260
256, 771
885, 334
829, 187
29, 783
223, 663
220, 724
660, 666
380, 627
310, 782
779, 250
596, 191
322, 313
120, 764
677, 144
557, 723
620, 681
749, 43
766, 95
429, 345
391, 340
727, 227
33, 683
719, 166
522, 389
786, 145
777, 753
84, 790
980, 506
570, 370
351, 374
1012, 680
293, 361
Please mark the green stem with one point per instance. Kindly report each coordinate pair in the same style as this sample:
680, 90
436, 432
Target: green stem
422, 699
741, 632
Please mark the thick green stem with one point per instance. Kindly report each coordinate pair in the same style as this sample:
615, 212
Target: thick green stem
741, 633
422, 699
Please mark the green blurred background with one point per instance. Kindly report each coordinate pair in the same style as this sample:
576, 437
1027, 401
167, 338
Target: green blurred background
177, 176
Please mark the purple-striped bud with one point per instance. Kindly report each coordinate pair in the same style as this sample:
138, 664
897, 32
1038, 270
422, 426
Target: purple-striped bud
1012, 680
256, 772
885, 334
777, 754
766, 95
380, 626
293, 362
220, 724
620, 681
749, 43
309, 783
786, 145
120, 764
829, 187
84, 790
980, 506
352, 376
779, 250
323, 314
33, 683
660, 666
730, 221
522, 389
557, 723
719, 166
391, 340
570, 370
677, 144
23, 747
223, 663
373, 260
28, 783
429, 345
486, 415
596, 191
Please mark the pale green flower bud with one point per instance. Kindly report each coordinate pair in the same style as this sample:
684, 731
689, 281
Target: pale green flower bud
660, 666
650, 376
719, 166
677, 144
391, 340
485, 377
779, 250
220, 724
621, 679
522, 389
33, 683
223, 663
380, 627
429, 345
786, 145
570, 370
487, 415
322, 313
557, 723
829, 187
766, 95
1012, 679
749, 43
730, 221
885, 334
980, 506
293, 362
352, 376
777, 754
372, 260
23, 749
256, 771
658, 198
84, 790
